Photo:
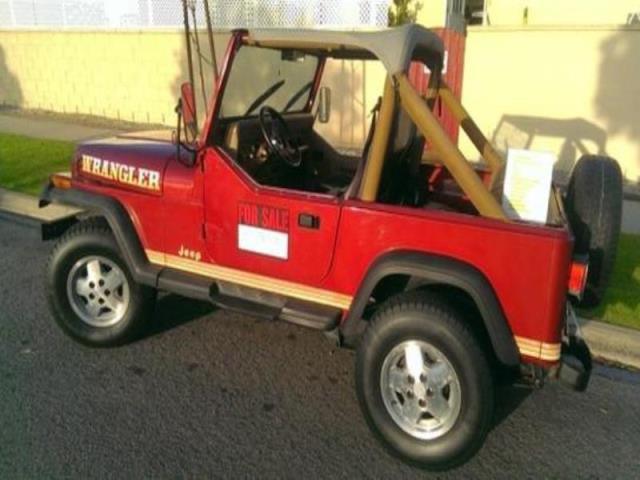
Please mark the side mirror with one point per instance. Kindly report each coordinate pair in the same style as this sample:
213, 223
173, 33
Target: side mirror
324, 104
188, 103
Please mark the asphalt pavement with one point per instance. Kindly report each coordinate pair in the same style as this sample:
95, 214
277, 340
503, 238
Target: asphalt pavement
212, 394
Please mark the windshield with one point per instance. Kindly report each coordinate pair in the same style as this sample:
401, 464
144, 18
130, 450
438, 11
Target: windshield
263, 76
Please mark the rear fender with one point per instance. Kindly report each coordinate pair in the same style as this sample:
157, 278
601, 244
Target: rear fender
437, 270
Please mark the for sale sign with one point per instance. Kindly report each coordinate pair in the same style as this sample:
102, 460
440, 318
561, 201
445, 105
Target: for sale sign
264, 230
527, 185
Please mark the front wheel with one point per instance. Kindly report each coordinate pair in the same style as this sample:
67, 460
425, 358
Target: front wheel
91, 293
424, 383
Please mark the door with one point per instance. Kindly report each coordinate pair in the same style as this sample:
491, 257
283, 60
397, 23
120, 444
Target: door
273, 232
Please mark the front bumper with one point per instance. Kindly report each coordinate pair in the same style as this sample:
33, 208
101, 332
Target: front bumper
575, 362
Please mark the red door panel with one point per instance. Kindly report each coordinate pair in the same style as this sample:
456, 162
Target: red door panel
268, 231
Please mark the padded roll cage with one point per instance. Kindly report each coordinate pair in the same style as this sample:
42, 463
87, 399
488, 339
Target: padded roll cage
414, 43
446, 152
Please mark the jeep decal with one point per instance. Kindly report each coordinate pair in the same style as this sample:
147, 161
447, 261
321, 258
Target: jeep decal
188, 253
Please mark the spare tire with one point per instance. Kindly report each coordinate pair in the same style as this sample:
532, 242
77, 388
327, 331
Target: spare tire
594, 209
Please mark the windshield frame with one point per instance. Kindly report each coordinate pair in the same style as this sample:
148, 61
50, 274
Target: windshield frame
214, 121
309, 89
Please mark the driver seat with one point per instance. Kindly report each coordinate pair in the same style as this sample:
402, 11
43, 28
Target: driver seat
402, 181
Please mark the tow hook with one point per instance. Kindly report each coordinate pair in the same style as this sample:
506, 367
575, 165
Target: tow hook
575, 363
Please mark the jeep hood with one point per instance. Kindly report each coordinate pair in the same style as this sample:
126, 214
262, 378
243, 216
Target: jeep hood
135, 161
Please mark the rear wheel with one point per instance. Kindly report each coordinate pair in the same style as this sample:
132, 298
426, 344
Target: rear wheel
594, 207
424, 383
91, 293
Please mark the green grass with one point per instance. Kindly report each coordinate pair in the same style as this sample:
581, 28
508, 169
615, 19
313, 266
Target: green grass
25, 163
621, 304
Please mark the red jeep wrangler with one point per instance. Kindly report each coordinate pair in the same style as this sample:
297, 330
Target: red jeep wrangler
403, 252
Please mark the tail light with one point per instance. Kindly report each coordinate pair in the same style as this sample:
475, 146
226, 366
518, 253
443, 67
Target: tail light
578, 273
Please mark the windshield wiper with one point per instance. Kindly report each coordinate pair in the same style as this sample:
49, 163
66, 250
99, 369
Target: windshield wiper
296, 96
262, 98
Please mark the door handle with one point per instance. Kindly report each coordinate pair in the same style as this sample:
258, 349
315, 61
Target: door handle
306, 220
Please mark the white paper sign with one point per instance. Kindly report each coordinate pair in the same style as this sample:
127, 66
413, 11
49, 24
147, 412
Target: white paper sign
263, 241
527, 185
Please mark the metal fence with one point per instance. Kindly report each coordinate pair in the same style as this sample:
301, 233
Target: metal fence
135, 14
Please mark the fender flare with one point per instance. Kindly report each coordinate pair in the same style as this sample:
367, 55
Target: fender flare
119, 221
435, 269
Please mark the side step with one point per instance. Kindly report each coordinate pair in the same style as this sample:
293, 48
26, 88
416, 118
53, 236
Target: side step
241, 305
252, 302
310, 315
304, 314
185, 284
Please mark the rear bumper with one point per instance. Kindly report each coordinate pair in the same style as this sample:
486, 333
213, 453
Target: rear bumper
575, 364
575, 361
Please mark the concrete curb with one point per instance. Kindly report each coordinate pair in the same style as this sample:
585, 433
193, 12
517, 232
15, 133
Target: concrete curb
612, 343
24, 209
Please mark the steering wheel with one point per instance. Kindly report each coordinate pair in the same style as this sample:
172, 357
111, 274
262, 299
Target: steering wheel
276, 134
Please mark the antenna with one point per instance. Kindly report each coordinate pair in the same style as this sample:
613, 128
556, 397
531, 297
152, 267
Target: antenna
185, 15
214, 61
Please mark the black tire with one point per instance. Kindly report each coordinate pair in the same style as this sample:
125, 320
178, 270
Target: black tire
594, 207
423, 316
93, 238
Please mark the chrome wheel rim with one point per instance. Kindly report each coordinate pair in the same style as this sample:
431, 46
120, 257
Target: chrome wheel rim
420, 389
98, 291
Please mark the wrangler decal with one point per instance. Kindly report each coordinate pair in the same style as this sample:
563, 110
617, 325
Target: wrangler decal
121, 173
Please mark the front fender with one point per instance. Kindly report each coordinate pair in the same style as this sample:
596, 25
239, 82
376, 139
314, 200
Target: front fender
119, 222
438, 270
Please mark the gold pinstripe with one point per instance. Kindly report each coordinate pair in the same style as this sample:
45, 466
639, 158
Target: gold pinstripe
526, 346
536, 349
155, 257
252, 280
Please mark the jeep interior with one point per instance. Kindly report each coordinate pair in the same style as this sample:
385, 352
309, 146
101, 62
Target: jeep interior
266, 125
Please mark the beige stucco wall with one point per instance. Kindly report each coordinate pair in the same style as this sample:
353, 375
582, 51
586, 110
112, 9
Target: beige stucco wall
433, 13
127, 75
553, 88
561, 89
135, 76
564, 12
355, 88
